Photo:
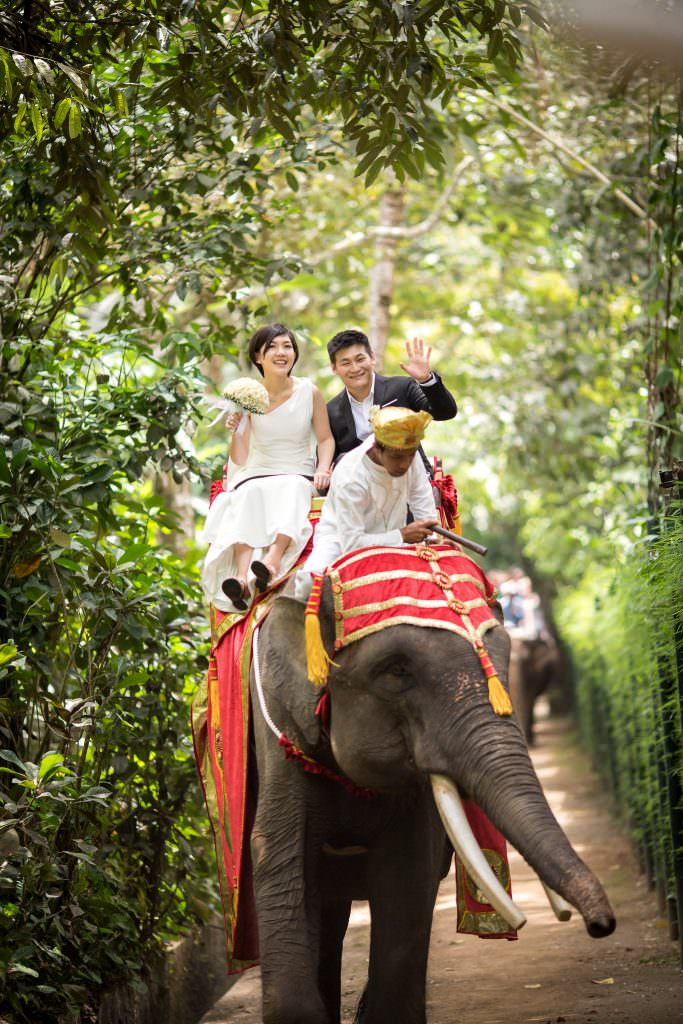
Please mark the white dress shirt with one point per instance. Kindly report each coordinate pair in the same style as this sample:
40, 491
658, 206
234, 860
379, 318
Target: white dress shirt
360, 410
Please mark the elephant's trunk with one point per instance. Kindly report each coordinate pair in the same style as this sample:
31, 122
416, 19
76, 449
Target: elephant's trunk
452, 812
499, 776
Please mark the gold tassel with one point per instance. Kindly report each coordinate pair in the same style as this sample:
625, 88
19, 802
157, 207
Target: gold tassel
498, 696
316, 655
457, 524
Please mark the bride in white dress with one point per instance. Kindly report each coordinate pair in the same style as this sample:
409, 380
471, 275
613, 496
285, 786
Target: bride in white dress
259, 525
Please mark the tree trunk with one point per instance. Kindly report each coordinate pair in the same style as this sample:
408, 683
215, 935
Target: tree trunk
177, 499
391, 212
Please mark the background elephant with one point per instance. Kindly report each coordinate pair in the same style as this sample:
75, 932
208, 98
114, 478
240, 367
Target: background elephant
534, 666
407, 703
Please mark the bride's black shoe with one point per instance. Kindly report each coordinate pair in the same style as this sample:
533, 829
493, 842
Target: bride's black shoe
237, 592
263, 576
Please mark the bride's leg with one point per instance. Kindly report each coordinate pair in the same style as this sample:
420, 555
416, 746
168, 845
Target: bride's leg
273, 556
235, 587
243, 556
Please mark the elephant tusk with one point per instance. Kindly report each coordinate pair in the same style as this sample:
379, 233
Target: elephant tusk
561, 909
449, 806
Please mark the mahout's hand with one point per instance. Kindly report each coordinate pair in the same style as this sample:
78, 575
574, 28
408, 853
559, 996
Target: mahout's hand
417, 362
415, 533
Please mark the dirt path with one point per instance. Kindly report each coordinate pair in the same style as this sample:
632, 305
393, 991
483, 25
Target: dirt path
554, 972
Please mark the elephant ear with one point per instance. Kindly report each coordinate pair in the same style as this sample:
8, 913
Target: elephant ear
284, 672
497, 611
326, 616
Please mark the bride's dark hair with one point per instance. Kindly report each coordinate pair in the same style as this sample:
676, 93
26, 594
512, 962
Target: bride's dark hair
263, 339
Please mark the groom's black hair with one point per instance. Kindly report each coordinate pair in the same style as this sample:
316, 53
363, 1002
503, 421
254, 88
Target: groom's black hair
344, 340
263, 339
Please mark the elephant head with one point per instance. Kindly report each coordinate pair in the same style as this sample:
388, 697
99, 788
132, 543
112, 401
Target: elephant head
410, 703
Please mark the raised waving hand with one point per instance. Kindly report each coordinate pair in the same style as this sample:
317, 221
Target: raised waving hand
417, 361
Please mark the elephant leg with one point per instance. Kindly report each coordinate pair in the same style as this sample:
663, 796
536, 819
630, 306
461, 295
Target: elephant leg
405, 869
343, 878
334, 921
288, 916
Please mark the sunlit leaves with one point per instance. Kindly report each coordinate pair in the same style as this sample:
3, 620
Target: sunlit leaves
63, 108
74, 121
37, 122
24, 66
22, 107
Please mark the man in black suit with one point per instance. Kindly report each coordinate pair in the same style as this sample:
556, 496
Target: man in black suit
353, 361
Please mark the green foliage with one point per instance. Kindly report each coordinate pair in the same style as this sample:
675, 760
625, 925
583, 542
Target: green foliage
548, 375
380, 65
544, 297
622, 624
103, 645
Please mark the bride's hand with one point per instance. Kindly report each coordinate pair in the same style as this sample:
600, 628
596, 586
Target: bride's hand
233, 421
321, 479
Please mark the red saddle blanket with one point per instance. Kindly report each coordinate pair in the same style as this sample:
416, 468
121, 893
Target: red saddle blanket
418, 584
220, 722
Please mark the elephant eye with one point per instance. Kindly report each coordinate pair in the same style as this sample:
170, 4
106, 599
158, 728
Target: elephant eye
394, 667
394, 671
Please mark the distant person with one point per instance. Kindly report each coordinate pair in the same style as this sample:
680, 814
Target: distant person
533, 622
521, 605
353, 361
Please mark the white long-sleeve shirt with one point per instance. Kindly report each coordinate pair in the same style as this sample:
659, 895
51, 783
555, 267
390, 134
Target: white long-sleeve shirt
366, 507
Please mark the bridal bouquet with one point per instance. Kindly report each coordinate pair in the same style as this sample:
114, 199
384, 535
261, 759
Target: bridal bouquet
247, 396
241, 395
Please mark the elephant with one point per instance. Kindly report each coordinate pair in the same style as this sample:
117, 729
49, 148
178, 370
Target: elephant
408, 713
534, 665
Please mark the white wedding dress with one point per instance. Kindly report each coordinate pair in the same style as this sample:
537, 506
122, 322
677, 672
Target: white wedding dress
268, 495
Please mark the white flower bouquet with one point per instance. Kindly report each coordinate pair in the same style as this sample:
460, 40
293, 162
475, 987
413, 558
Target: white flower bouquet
241, 395
247, 395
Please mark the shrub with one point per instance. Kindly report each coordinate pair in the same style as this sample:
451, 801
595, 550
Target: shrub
102, 642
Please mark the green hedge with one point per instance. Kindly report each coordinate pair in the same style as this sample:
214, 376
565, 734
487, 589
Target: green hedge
621, 625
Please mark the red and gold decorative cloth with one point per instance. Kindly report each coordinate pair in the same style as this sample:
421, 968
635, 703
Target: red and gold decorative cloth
446, 498
475, 916
220, 730
421, 585
425, 586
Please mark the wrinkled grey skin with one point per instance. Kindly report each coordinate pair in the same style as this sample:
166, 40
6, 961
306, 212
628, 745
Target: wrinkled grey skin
534, 665
405, 702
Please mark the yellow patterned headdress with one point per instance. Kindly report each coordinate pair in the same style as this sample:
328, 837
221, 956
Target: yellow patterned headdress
398, 428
